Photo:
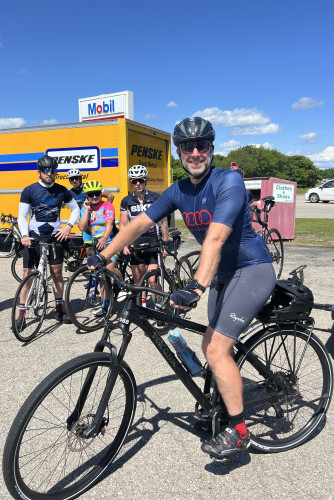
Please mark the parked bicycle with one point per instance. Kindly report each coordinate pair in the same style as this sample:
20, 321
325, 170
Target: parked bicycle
163, 278
272, 236
83, 291
31, 298
74, 423
74, 257
10, 237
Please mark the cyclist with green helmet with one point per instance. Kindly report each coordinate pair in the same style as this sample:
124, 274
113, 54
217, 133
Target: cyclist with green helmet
96, 222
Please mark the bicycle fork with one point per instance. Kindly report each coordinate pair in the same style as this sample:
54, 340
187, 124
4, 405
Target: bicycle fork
99, 422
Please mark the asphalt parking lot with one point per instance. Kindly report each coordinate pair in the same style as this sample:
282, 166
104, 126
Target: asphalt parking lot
162, 458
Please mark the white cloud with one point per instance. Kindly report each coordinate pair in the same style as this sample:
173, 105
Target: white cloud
172, 104
309, 138
307, 103
270, 128
150, 116
50, 122
266, 145
325, 156
11, 122
226, 147
244, 121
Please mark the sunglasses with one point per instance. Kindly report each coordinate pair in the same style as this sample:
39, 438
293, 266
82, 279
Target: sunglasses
135, 181
94, 194
202, 146
75, 178
48, 170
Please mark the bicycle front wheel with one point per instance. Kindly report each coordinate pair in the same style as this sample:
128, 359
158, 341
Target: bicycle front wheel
277, 419
7, 243
45, 456
274, 243
152, 279
29, 307
85, 297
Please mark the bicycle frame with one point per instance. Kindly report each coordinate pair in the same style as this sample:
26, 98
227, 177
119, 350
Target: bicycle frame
133, 313
43, 275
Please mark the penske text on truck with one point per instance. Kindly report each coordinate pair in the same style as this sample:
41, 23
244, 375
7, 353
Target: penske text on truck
102, 151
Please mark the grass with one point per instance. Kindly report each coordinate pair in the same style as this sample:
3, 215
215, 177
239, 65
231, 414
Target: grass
318, 232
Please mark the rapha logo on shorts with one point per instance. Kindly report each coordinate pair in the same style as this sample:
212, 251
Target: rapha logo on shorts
235, 318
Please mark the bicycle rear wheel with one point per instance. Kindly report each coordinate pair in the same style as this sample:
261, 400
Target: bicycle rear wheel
277, 419
193, 258
7, 243
45, 456
84, 298
26, 327
184, 272
274, 243
153, 280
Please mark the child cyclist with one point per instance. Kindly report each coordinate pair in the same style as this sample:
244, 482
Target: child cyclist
96, 223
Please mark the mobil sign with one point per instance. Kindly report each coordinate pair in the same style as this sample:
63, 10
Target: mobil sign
106, 107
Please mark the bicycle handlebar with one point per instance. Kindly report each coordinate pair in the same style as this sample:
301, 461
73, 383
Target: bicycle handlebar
132, 288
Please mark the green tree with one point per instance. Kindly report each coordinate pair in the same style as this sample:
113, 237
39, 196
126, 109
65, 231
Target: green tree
178, 172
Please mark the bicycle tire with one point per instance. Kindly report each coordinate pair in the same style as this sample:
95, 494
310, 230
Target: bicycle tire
153, 302
34, 316
82, 299
16, 267
275, 246
44, 459
193, 258
298, 413
184, 272
7, 243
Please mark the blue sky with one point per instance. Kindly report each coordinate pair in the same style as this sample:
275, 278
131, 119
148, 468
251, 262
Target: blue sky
261, 71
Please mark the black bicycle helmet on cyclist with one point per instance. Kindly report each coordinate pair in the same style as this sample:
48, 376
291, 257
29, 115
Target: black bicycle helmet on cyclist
193, 128
47, 162
290, 301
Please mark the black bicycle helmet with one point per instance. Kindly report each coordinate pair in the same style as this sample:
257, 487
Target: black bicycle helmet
193, 128
290, 301
47, 162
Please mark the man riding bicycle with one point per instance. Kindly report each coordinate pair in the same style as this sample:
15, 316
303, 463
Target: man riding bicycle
235, 263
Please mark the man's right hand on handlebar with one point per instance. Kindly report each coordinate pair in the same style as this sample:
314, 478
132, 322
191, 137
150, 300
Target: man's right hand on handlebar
26, 241
96, 261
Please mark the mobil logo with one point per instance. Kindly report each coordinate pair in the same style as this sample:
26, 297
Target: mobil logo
101, 108
201, 218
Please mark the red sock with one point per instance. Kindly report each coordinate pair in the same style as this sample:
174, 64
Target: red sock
242, 429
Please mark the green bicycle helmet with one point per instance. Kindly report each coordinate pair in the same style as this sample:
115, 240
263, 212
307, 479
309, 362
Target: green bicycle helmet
92, 186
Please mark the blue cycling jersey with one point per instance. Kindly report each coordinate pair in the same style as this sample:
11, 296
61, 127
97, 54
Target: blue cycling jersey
78, 195
45, 203
220, 197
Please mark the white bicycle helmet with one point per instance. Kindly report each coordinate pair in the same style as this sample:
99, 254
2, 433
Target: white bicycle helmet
137, 172
73, 172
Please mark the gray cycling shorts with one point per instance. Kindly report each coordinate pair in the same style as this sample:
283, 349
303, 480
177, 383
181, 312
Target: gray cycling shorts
236, 298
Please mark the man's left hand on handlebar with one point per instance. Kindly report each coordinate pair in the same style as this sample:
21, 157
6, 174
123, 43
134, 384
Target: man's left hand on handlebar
184, 299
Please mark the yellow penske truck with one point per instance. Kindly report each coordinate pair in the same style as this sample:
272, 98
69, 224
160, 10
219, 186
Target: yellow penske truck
102, 150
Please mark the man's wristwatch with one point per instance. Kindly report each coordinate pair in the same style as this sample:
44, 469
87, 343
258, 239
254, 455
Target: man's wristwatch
68, 224
194, 285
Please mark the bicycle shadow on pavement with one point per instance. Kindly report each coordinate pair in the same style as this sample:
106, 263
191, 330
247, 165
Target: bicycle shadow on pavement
6, 304
143, 430
329, 344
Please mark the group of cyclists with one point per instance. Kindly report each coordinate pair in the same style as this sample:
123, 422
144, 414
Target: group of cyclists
233, 255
